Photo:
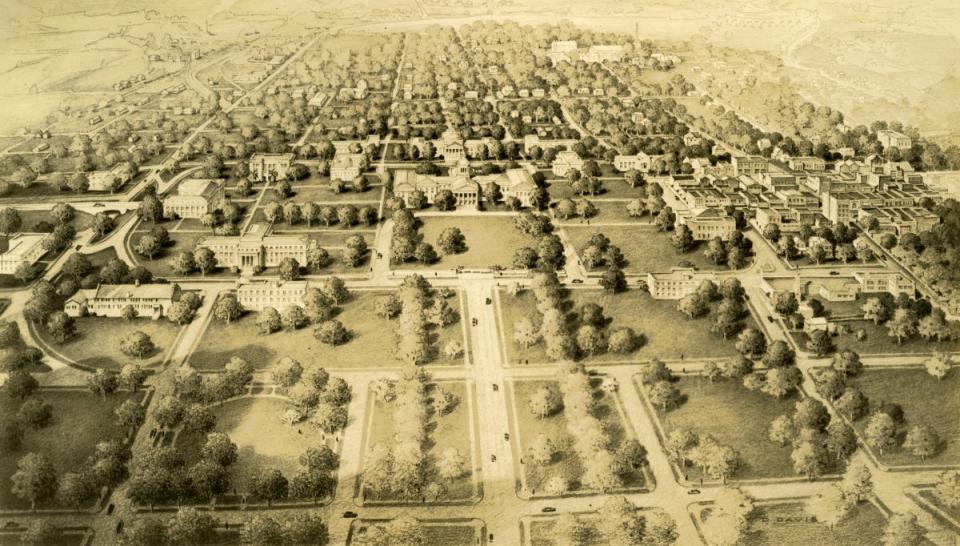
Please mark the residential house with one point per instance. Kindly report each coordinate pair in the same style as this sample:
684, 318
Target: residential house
110, 180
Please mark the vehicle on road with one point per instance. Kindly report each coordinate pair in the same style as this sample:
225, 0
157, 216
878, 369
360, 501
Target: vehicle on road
99, 205
834, 273
576, 281
506, 436
489, 301
475, 322
693, 492
349, 514
548, 509
493, 458
496, 387
110, 508
769, 318
10, 525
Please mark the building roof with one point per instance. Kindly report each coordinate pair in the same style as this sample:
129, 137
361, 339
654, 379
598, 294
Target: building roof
21, 244
198, 186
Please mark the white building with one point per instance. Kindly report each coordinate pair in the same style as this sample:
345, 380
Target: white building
258, 295
676, 284
465, 190
270, 167
709, 224
603, 53
109, 300
346, 166
513, 183
639, 162
256, 248
890, 138
20, 249
110, 180
566, 161
194, 198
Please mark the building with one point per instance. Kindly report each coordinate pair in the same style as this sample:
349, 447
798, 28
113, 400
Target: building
269, 167
603, 53
563, 46
890, 138
676, 284
711, 223
109, 300
891, 282
110, 180
319, 100
347, 166
451, 146
807, 163
513, 183
899, 220
256, 249
465, 190
750, 164
194, 198
691, 139
258, 295
566, 161
20, 249
639, 162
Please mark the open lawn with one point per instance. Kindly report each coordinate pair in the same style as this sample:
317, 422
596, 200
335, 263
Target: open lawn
246, 420
370, 346
657, 321
646, 249
446, 431
930, 495
879, 341
609, 212
160, 264
738, 418
97, 343
30, 219
790, 524
62, 539
80, 420
453, 533
925, 401
567, 462
615, 187
491, 240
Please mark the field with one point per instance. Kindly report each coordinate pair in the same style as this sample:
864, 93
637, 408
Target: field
370, 346
646, 249
739, 418
80, 420
449, 430
878, 341
567, 462
245, 420
436, 533
790, 524
657, 321
491, 240
616, 188
613, 212
62, 539
97, 343
925, 401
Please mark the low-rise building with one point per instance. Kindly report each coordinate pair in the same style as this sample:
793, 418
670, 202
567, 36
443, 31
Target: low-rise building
891, 282
269, 167
109, 300
111, 179
676, 284
20, 249
464, 190
890, 138
451, 146
711, 223
258, 295
566, 161
347, 166
807, 163
256, 249
603, 53
194, 198
516, 183
639, 162
750, 164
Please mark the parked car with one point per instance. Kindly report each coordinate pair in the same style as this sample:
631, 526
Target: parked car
834, 273
548, 509
576, 281
349, 514
693, 492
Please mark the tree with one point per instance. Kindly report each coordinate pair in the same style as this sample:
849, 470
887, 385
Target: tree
227, 308
306, 529
716, 251
857, 482
544, 402
331, 332
180, 312
809, 458
934, 326
751, 342
880, 433
786, 304
270, 485
148, 246
219, 449
190, 527
137, 344
103, 382
782, 430
451, 464
287, 372
35, 479
424, 253
876, 310
778, 355
623, 340
570, 529
903, 324
61, 326
621, 522
20, 384
40, 533
631, 455
525, 333
11, 435
451, 241
542, 450
780, 382
183, 263
938, 365
613, 280
829, 508
205, 260
35, 412
268, 320
10, 221
847, 362
692, 305
948, 488
130, 415
334, 289
682, 238
903, 530
664, 395
922, 441
289, 269
819, 343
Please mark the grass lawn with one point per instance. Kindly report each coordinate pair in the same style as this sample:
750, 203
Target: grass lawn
658, 321
97, 343
878, 341
491, 240
436, 533
611, 212
30, 218
567, 462
160, 264
790, 524
246, 420
80, 420
72, 538
737, 418
646, 249
370, 346
450, 430
925, 401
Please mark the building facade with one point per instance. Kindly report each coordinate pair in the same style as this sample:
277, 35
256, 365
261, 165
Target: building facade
258, 295
194, 198
20, 249
256, 249
676, 284
109, 300
269, 167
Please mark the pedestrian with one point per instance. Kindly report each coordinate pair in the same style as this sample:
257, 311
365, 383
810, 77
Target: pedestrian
299, 431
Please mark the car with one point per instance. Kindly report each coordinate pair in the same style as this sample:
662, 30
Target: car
10, 525
769, 318
506, 436
547, 509
99, 205
834, 273
576, 281
493, 458
693, 492
110, 509
350, 514
489, 301
78, 247
496, 387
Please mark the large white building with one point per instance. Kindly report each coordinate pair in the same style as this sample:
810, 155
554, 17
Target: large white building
256, 249
109, 180
513, 183
565, 162
890, 138
258, 295
346, 166
465, 190
20, 249
639, 162
710, 223
194, 198
676, 284
109, 300
269, 167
